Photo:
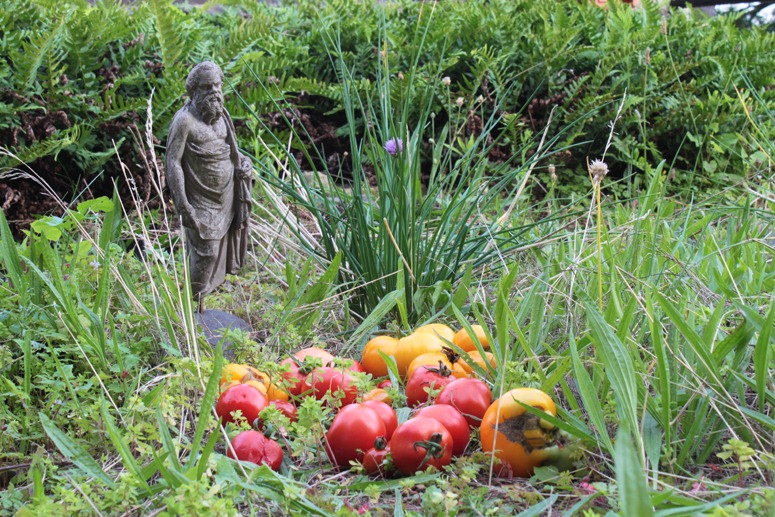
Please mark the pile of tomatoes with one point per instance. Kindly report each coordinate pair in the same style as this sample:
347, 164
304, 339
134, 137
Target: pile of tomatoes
447, 400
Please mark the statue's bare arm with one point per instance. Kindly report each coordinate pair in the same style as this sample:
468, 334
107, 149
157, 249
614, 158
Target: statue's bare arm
176, 145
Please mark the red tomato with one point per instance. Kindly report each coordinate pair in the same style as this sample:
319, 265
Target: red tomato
326, 358
424, 379
256, 448
471, 397
375, 459
386, 413
453, 421
243, 397
419, 443
294, 377
286, 408
337, 381
353, 431
387, 383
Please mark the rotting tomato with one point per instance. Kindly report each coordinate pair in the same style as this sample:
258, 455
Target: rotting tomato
256, 448
471, 397
419, 443
522, 440
241, 397
425, 381
353, 432
336, 381
371, 359
386, 413
453, 421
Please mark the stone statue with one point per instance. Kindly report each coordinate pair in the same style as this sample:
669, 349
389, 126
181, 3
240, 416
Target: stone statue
210, 182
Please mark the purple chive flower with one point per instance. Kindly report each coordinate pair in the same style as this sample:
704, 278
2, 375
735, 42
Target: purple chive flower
394, 146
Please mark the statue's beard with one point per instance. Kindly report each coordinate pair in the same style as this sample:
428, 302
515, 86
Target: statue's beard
210, 106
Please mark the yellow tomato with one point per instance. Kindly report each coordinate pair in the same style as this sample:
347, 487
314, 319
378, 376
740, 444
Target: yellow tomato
254, 383
371, 360
428, 359
413, 345
234, 372
466, 342
522, 439
441, 330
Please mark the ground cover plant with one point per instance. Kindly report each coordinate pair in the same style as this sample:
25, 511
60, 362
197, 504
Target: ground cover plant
639, 303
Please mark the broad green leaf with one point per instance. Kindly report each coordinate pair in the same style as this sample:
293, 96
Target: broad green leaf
74, 451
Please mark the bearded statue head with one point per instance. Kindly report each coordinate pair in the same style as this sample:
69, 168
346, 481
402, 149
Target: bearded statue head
204, 87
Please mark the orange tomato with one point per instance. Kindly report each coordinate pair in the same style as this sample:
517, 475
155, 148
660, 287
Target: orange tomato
518, 438
476, 358
441, 330
466, 342
379, 395
371, 360
413, 345
272, 391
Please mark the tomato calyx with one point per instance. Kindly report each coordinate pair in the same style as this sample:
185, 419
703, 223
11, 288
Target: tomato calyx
451, 354
442, 369
380, 443
433, 448
528, 430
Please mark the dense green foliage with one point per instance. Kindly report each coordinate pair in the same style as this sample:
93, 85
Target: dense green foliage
71, 85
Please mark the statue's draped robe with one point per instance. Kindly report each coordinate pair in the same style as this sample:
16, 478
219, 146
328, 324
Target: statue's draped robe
221, 202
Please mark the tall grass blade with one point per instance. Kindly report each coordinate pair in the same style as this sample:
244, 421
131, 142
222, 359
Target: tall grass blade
207, 405
589, 396
129, 461
633, 488
618, 367
762, 355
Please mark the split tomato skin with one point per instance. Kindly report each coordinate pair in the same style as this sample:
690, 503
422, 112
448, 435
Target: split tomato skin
337, 381
471, 397
523, 441
420, 442
354, 431
256, 448
425, 379
242, 397
386, 413
450, 418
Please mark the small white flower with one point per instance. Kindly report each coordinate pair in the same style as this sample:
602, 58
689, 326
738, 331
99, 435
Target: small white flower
446, 81
480, 99
459, 102
598, 170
